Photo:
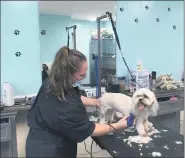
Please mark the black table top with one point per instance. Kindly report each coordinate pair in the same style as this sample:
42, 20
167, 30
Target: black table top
115, 145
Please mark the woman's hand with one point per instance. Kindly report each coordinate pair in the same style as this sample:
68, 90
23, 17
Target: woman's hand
122, 123
90, 101
102, 129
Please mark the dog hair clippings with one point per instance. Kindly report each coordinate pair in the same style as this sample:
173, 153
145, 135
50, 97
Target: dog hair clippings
130, 120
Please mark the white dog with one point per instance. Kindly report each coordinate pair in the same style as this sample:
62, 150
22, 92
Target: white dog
142, 104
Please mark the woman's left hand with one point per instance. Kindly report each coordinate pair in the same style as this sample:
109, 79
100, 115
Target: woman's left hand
90, 101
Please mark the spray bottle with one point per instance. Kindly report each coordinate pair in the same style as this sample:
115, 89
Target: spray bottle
139, 65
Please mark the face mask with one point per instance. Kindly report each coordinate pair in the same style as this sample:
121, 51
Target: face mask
78, 83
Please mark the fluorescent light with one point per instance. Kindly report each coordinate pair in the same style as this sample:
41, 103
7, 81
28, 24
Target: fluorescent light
92, 19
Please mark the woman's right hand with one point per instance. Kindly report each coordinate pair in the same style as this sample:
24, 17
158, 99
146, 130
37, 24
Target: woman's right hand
122, 123
102, 129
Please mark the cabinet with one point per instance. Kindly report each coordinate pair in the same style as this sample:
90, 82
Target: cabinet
108, 55
8, 137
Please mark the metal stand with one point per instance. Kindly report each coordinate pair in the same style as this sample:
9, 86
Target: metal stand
108, 15
73, 34
99, 55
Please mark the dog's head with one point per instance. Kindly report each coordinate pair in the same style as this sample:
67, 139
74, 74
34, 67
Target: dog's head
144, 98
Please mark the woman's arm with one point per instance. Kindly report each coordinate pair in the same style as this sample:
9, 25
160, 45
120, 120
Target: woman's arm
90, 101
102, 129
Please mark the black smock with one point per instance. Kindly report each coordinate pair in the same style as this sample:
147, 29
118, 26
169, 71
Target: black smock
57, 126
44, 75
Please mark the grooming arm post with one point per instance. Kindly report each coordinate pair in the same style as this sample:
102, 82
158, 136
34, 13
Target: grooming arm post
74, 37
99, 54
70, 27
74, 34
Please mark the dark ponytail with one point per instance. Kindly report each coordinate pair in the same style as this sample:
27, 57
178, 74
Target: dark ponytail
66, 63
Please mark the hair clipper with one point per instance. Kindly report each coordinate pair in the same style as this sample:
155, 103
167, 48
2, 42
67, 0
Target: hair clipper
130, 120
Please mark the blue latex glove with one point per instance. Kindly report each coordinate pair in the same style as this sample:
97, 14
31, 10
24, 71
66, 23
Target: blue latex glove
130, 120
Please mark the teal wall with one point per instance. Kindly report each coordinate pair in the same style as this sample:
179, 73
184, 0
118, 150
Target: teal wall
157, 44
56, 36
22, 72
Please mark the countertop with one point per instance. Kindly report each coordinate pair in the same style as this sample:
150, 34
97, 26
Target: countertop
162, 93
165, 107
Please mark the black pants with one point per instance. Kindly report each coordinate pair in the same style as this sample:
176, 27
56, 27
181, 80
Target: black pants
38, 147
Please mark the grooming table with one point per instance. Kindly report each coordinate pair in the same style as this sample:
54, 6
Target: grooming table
115, 145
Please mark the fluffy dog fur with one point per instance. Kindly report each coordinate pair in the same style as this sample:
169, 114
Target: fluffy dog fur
116, 103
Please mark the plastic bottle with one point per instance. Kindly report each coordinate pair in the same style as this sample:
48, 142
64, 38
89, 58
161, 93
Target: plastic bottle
8, 94
139, 65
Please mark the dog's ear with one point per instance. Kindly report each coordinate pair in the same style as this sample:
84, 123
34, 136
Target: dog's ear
134, 97
154, 107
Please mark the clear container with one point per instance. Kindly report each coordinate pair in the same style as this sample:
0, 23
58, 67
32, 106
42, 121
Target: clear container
127, 85
8, 94
121, 82
142, 79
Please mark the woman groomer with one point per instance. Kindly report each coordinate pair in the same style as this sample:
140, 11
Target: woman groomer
58, 118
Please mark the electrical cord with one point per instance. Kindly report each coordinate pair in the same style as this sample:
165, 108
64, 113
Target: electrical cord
119, 46
114, 128
86, 148
90, 152
91, 148
95, 152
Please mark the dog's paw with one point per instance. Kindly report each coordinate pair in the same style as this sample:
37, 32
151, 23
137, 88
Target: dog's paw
151, 129
150, 125
150, 133
148, 129
143, 134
